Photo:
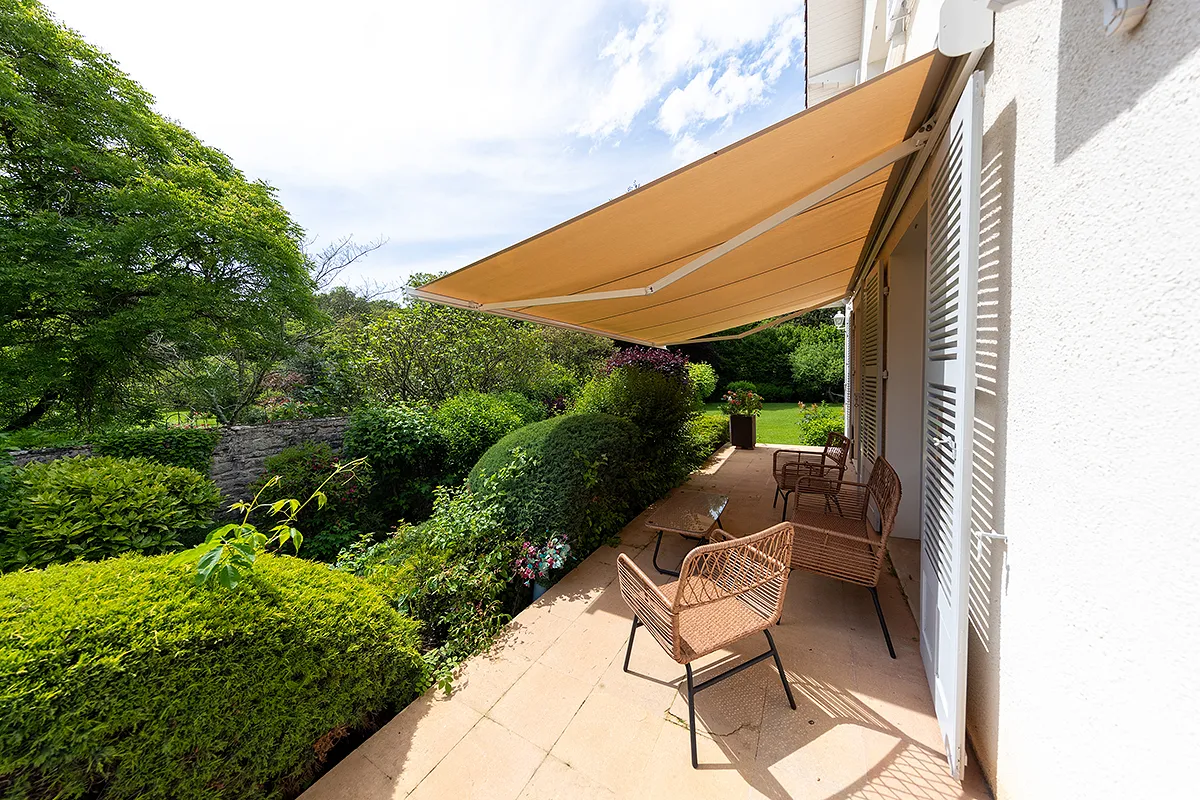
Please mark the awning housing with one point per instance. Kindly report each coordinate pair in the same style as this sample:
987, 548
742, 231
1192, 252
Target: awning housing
771, 225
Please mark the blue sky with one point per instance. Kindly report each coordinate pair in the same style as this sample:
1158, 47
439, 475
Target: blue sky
457, 128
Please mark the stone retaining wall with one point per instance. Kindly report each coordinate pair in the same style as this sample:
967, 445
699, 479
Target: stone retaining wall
239, 456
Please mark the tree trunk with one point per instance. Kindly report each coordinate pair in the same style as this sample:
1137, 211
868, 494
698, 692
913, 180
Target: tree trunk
35, 413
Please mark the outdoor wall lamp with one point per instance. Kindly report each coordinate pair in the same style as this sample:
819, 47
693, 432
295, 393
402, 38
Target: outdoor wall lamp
839, 319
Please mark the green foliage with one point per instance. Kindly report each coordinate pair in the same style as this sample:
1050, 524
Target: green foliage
424, 352
452, 572
176, 447
125, 237
742, 403
740, 386
818, 361
703, 378
529, 410
660, 407
304, 470
406, 451
470, 423
93, 508
577, 483
126, 681
775, 392
706, 434
817, 420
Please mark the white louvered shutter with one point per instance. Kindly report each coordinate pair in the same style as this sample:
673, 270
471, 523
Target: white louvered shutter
951, 294
868, 302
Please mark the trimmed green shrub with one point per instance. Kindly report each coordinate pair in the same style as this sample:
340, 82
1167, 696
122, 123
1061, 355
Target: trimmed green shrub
741, 386
704, 380
406, 451
577, 484
816, 421
301, 470
818, 361
706, 434
469, 424
775, 392
176, 447
660, 406
529, 410
127, 681
93, 508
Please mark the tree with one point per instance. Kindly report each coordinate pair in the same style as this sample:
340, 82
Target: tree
120, 232
818, 362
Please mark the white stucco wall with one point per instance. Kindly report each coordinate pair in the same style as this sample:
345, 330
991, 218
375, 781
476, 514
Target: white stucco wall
1086, 648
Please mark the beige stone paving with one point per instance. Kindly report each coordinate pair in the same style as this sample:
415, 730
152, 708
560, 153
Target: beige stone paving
550, 713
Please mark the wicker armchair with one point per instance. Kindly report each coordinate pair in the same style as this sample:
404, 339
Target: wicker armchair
727, 590
792, 467
849, 544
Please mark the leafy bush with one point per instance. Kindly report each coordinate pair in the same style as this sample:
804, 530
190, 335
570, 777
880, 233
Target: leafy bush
818, 361
666, 362
707, 433
527, 409
775, 392
553, 388
452, 572
93, 508
816, 421
704, 380
176, 447
127, 681
406, 451
327, 527
469, 424
576, 483
740, 386
659, 405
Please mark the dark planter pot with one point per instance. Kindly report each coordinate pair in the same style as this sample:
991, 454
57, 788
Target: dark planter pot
743, 431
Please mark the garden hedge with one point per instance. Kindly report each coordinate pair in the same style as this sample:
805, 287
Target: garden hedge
176, 447
578, 484
93, 508
124, 680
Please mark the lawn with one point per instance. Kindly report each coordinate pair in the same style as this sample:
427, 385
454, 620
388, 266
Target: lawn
777, 423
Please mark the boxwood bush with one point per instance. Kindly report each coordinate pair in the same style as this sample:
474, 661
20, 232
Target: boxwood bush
578, 482
127, 681
176, 447
470, 423
707, 433
93, 508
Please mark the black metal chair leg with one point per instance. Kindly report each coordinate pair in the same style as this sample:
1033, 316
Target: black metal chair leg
775, 502
786, 497
779, 666
629, 649
692, 715
879, 610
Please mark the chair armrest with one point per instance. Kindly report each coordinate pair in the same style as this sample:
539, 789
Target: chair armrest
633, 581
794, 457
719, 535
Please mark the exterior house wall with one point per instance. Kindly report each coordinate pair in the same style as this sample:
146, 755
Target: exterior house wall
1084, 626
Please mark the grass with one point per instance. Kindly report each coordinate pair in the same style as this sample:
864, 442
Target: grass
778, 422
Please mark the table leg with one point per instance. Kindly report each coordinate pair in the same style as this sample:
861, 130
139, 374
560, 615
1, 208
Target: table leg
670, 572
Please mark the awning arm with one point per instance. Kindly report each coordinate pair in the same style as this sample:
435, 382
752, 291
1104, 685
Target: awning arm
862, 171
453, 302
757, 329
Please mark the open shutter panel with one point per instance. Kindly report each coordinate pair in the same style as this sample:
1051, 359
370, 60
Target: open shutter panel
869, 306
952, 269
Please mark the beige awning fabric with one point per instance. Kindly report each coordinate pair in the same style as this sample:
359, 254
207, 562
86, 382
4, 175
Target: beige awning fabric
771, 225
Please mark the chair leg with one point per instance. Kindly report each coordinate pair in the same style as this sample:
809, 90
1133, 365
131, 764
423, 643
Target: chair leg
779, 666
692, 714
786, 497
775, 502
879, 610
629, 648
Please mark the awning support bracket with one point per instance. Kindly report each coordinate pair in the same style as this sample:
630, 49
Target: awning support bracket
845, 181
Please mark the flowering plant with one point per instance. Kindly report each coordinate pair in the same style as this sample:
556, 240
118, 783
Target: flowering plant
536, 563
742, 403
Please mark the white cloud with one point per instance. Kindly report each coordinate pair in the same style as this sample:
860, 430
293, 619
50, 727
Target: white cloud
453, 128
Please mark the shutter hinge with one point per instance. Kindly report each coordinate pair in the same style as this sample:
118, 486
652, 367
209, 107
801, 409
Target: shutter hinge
884, 375
887, 290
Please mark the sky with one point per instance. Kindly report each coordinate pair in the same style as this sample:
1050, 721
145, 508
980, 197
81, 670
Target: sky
453, 129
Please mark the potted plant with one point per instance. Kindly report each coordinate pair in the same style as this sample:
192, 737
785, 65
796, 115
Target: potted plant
535, 564
743, 407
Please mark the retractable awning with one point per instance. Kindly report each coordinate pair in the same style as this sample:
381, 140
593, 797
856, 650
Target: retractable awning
772, 225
